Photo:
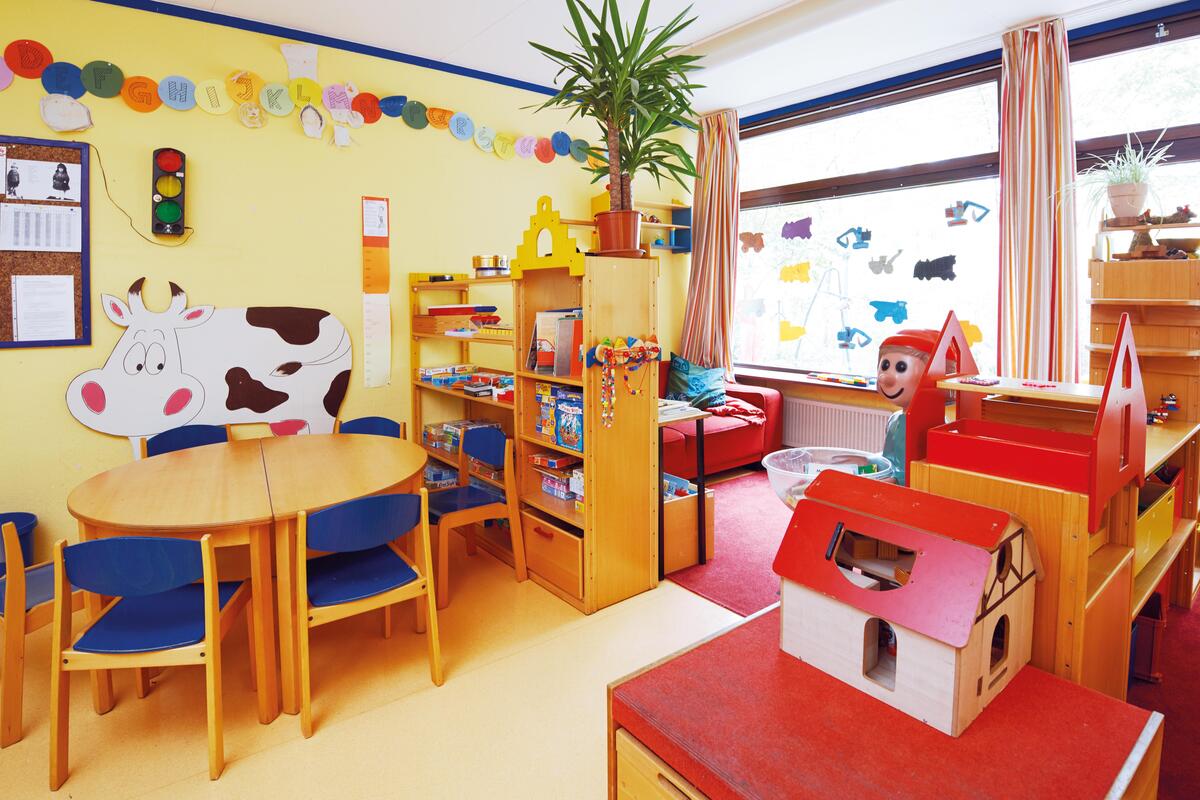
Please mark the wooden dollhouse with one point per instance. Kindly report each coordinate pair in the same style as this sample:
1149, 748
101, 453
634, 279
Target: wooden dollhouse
923, 602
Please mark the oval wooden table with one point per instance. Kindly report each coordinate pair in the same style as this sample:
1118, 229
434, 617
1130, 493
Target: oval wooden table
237, 492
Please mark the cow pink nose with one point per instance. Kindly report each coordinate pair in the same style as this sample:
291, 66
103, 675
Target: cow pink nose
177, 401
93, 396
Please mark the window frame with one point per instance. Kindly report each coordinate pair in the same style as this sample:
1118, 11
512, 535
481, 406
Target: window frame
1184, 139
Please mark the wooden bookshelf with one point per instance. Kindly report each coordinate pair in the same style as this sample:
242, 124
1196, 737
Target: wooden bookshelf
615, 532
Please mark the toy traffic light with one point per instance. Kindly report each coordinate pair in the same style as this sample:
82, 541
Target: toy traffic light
166, 207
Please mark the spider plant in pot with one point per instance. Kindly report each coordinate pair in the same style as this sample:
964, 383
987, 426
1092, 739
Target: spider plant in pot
634, 83
1125, 177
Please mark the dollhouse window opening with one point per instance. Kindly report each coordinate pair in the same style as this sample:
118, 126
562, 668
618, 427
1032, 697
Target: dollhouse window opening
878, 562
1015, 567
879, 653
999, 650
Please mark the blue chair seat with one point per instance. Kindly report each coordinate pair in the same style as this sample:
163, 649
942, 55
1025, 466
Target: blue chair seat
344, 577
461, 498
160, 621
39, 587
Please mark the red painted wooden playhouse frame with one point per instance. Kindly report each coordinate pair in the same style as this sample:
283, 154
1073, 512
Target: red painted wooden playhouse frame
1098, 464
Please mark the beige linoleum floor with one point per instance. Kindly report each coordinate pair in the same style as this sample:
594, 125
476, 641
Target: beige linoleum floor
521, 714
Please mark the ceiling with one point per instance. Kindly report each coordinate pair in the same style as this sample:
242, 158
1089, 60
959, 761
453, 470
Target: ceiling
759, 54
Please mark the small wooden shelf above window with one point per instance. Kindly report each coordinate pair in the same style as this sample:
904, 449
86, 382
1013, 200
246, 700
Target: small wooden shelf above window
666, 226
1146, 227
1141, 301
1169, 352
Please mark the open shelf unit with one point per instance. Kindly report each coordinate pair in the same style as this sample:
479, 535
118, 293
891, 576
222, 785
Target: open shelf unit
677, 230
606, 551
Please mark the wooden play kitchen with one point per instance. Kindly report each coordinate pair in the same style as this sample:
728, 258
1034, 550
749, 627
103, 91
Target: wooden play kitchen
600, 550
1081, 468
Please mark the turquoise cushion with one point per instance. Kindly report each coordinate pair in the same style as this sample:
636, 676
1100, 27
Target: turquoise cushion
700, 387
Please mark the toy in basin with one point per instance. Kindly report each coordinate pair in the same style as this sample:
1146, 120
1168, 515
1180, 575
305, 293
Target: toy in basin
791, 471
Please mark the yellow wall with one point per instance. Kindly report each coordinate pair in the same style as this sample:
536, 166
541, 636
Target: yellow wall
276, 214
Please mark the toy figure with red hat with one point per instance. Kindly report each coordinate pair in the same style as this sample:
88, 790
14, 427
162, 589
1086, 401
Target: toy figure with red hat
903, 357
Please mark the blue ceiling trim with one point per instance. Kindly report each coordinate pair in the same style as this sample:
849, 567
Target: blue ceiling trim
214, 18
990, 57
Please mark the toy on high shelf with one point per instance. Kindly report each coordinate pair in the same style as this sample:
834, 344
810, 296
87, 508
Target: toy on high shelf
1169, 402
490, 266
845, 380
942, 649
1159, 415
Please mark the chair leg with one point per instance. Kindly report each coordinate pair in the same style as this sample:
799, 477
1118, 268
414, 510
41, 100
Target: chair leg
442, 584
102, 688
387, 622
431, 638
216, 730
12, 679
60, 722
305, 676
250, 644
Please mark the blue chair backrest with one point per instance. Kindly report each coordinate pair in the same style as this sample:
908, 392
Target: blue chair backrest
185, 437
486, 445
363, 523
376, 426
133, 566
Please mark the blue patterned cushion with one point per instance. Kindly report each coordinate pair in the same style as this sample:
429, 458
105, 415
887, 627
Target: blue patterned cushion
700, 387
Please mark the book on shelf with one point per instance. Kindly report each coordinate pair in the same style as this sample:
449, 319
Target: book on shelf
568, 347
543, 347
459, 310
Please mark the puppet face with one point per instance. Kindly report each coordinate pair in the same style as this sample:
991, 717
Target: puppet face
898, 376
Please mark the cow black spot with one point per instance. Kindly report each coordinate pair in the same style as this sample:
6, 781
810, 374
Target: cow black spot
294, 325
337, 392
246, 392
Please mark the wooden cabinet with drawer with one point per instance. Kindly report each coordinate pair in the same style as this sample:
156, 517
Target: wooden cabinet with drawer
1155, 524
553, 552
641, 775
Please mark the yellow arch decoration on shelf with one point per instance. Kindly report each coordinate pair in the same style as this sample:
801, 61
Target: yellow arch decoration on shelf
564, 252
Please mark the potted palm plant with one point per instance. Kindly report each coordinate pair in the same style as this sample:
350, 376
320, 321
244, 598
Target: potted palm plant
634, 83
1125, 177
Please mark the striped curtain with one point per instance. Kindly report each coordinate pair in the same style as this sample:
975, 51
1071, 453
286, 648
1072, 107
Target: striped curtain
708, 320
1038, 287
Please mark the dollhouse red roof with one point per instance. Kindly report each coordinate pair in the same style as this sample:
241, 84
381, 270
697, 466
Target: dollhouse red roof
952, 541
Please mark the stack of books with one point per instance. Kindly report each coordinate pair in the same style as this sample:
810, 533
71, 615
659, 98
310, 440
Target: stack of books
557, 346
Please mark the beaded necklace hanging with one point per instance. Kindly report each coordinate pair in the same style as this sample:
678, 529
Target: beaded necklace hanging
630, 356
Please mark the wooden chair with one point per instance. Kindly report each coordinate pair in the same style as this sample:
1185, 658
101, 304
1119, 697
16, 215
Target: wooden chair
26, 595
469, 503
366, 570
376, 426
158, 616
184, 437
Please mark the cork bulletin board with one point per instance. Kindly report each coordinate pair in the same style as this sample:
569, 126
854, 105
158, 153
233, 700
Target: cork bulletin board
37, 177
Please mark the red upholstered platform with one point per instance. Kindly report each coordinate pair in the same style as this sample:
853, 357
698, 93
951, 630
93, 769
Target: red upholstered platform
739, 718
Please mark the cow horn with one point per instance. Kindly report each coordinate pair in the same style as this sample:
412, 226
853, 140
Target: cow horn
178, 299
135, 296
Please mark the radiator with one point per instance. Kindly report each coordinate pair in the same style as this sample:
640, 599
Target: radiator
808, 423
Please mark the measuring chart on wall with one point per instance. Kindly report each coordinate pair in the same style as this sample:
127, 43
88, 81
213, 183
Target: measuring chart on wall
377, 305
44, 273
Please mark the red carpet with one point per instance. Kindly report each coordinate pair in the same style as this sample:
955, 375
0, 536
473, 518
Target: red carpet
749, 521
1178, 699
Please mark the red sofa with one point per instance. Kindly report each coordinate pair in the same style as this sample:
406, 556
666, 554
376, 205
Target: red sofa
728, 441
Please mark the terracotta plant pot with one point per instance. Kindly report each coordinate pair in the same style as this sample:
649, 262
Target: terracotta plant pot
1127, 199
620, 231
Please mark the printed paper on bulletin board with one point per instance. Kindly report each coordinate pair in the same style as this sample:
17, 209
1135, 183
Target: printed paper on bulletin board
44, 190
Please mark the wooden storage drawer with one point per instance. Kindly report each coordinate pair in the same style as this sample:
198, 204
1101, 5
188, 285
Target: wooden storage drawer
641, 775
553, 552
1154, 525
679, 531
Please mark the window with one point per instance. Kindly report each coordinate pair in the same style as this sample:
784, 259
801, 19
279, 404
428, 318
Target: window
869, 250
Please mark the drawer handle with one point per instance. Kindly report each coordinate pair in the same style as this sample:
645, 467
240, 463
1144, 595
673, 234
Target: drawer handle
671, 788
540, 531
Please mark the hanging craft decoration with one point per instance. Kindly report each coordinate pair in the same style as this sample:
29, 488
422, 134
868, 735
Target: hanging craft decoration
275, 100
751, 241
102, 78
212, 97
141, 94
849, 338
63, 78
928, 269
254, 98
883, 263
862, 238
972, 332
27, 58
797, 229
956, 214
64, 114
563, 250
789, 332
628, 355
896, 309
796, 273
